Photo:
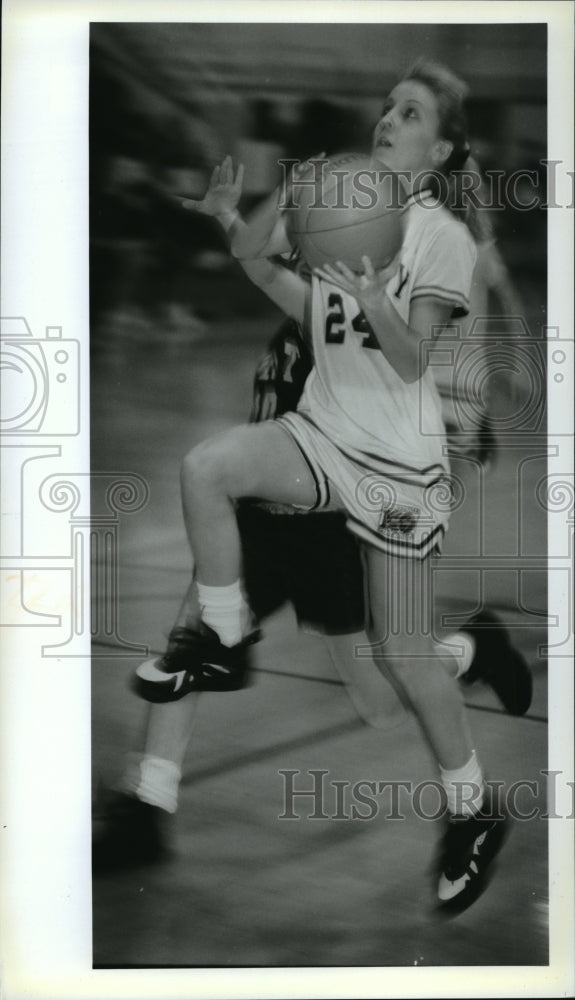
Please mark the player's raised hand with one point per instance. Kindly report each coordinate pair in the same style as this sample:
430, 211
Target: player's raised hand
223, 194
366, 286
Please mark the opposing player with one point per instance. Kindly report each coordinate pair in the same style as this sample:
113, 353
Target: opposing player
368, 437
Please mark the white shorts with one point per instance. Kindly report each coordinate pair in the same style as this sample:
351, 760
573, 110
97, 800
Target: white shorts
400, 518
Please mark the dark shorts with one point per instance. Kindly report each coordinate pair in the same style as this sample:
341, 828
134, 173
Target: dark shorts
309, 560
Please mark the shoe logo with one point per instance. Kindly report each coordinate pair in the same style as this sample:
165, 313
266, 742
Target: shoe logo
179, 679
447, 889
479, 842
218, 666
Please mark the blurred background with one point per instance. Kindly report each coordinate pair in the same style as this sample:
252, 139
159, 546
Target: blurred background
168, 101
176, 332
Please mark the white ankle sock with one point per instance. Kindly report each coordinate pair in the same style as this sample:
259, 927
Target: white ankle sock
449, 646
225, 610
159, 782
464, 787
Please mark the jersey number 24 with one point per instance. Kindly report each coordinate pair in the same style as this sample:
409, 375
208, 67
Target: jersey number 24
336, 323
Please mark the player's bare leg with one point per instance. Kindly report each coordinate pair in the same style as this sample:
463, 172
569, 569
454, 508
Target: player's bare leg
131, 830
368, 687
400, 603
403, 626
256, 460
168, 727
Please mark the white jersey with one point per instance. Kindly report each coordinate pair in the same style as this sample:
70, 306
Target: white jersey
353, 393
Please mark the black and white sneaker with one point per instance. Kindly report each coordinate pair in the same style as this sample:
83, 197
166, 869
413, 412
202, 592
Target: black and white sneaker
498, 664
468, 849
127, 833
195, 660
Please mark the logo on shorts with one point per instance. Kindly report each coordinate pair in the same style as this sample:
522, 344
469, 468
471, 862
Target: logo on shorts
398, 520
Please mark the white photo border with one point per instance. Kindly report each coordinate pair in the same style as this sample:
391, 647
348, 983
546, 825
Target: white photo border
45, 742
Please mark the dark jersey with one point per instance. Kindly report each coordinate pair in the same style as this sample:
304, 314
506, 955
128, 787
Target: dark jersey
281, 373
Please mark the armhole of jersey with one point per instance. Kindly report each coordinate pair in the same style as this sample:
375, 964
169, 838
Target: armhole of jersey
459, 304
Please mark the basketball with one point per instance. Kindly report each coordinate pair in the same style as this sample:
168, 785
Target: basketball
350, 207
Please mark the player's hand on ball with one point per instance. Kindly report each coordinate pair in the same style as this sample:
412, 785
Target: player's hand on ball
367, 286
223, 194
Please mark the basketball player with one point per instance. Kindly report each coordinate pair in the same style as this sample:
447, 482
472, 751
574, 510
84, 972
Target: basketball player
328, 452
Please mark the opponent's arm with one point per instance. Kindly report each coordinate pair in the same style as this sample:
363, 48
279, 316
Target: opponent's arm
399, 341
252, 243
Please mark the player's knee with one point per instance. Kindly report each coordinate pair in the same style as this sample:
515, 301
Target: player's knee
212, 466
203, 468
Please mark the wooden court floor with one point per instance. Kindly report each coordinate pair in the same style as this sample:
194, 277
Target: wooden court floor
242, 886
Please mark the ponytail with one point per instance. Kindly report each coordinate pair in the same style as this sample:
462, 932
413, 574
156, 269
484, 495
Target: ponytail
450, 93
463, 205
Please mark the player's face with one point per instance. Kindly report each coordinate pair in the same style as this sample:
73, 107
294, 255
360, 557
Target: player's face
406, 136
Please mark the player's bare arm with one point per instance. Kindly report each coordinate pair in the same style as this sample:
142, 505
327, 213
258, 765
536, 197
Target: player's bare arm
398, 341
253, 243
265, 234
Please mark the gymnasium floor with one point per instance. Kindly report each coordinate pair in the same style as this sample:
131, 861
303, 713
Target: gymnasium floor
242, 887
